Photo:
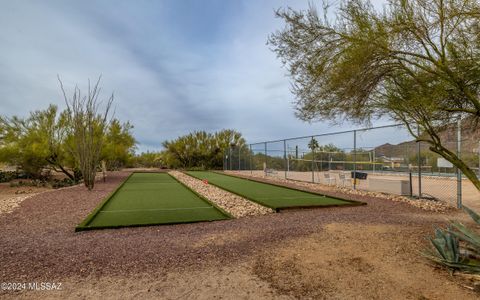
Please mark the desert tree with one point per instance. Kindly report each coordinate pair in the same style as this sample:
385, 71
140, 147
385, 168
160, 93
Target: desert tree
37, 142
416, 62
89, 125
313, 144
201, 149
229, 138
119, 145
149, 160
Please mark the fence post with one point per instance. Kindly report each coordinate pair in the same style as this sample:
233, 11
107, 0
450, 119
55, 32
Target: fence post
265, 162
354, 159
239, 158
419, 162
459, 172
313, 160
285, 157
329, 161
251, 160
410, 183
373, 160
230, 156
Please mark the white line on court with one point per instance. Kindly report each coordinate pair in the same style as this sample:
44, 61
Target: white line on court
153, 209
153, 182
299, 198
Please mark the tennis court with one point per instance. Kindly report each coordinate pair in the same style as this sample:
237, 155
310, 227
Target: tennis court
273, 196
150, 199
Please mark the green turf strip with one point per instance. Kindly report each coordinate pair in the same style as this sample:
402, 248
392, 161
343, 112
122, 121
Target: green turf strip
149, 199
273, 196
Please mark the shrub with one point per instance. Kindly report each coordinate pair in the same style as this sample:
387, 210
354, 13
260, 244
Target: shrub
196, 169
6, 176
66, 182
457, 247
34, 182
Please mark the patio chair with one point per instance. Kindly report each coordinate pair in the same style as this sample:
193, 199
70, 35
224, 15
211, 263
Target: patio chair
328, 179
342, 177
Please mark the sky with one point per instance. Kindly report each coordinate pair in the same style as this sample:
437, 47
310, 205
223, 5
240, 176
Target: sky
173, 66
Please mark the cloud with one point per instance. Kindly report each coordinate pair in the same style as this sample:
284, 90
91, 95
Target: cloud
175, 66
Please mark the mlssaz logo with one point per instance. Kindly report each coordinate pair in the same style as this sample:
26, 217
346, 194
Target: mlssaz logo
45, 286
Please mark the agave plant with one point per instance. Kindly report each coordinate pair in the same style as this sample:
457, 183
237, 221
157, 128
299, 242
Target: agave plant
457, 247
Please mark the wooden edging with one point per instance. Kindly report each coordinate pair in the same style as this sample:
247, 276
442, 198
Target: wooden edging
144, 225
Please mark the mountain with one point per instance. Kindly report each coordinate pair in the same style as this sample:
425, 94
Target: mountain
470, 139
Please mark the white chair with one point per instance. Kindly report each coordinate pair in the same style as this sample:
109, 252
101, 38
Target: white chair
343, 179
270, 172
329, 179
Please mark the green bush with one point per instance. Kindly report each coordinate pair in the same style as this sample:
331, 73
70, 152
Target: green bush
201, 149
66, 182
34, 182
196, 169
6, 176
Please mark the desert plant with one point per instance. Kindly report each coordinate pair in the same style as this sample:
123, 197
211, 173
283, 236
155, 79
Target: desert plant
6, 176
57, 183
36, 142
88, 129
118, 145
457, 247
201, 149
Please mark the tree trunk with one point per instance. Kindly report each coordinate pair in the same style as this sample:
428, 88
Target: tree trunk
457, 162
64, 171
70, 175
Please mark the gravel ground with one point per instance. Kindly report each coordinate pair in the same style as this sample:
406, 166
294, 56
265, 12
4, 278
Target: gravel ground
425, 204
43, 227
38, 243
8, 204
11, 197
235, 205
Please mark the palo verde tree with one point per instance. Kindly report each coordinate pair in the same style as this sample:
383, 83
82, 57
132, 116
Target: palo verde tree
37, 142
200, 149
118, 145
417, 62
225, 139
148, 160
88, 128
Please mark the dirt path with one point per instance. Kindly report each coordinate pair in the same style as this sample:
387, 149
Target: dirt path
346, 261
366, 252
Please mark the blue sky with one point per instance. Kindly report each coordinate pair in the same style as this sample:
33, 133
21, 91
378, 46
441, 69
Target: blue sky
175, 66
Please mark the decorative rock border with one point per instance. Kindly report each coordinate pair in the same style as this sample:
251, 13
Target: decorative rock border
235, 205
425, 204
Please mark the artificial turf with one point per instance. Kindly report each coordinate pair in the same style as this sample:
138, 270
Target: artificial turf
273, 196
150, 199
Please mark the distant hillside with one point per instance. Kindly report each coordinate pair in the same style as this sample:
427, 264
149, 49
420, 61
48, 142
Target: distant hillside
470, 143
399, 150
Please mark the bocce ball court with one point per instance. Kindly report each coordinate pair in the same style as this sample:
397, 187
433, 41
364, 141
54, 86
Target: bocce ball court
151, 199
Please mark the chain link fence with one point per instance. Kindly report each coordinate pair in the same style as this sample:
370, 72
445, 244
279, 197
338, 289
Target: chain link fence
380, 159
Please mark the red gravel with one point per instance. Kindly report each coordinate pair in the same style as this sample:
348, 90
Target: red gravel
38, 241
